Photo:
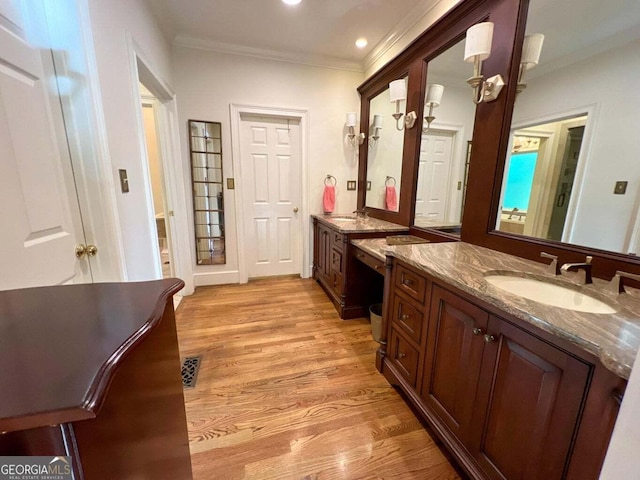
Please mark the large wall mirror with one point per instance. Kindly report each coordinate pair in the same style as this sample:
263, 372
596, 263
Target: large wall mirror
445, 143
572, 172
384, 156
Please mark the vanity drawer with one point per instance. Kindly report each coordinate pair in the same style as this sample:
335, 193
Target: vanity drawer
336, 261
407, 317
371, 261
338, 240
410, 283
404, 357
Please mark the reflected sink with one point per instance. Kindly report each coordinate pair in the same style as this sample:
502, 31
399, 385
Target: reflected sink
548, 293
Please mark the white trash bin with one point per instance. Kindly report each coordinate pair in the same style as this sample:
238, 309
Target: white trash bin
375, 314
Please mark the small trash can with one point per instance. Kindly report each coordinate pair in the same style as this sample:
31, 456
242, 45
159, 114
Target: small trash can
375, 314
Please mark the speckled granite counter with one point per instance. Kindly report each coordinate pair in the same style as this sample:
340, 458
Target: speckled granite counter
351, 224
614, 338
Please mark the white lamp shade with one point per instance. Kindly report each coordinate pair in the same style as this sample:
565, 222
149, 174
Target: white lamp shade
397, 90
531, 49
352, 119
478, 42
377, 121
434, 94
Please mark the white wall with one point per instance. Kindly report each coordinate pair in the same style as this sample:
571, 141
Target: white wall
208, 82
607, 84
112, 22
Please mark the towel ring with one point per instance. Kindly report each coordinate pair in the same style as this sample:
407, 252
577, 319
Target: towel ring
386, 182
327, 181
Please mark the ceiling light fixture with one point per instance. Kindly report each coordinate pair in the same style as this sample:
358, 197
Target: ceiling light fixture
361, 42
291, 2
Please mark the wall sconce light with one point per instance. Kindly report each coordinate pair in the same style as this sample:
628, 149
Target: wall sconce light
477, 49
434, 97
531, 50
376, 127
354, 139
397, 94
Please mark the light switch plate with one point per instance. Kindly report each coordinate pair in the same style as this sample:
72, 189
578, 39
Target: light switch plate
124, 181
368, 185
231, 184
351, 184
620, 188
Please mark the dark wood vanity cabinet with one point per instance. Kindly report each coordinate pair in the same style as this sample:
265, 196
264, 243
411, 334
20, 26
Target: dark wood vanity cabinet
351, 284
507, 401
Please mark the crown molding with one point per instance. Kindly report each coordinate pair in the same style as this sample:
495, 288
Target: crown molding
321, 61
418, 13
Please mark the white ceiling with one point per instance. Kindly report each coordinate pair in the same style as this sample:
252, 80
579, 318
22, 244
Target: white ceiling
319, 28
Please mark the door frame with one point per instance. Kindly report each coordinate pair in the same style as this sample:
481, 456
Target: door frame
302, 115
166, 115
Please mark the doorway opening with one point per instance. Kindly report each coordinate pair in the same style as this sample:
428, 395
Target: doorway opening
539, 179
154, 162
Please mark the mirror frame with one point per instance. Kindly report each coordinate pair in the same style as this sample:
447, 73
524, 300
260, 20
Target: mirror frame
481, 210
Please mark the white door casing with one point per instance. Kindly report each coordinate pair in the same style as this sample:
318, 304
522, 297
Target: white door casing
38, 204
434, 173
270, 163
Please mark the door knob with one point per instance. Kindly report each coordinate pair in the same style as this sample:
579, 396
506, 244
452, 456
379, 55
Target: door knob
82, 250
489, 338
477, 331
295, 209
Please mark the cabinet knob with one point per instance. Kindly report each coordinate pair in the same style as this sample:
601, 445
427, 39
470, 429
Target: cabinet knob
408, 282
402, 355
477, 331
489, 338
404, 316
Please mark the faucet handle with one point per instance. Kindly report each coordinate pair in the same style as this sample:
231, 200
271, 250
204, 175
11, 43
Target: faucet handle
616, 285
554, 268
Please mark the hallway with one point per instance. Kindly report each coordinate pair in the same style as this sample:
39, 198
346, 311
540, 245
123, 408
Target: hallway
287, 390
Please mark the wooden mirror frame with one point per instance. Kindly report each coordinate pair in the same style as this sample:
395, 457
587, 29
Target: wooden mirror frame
413, 61
490, 137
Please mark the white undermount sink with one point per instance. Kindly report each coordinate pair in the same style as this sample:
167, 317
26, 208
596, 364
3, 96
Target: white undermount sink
548, 293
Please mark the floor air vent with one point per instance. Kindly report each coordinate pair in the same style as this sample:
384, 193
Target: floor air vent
190, 367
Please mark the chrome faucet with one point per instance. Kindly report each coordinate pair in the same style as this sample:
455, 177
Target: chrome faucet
574, 267
362, 213
554, 268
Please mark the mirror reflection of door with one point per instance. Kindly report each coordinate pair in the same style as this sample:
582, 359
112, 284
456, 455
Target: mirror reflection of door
539, 179
444, 147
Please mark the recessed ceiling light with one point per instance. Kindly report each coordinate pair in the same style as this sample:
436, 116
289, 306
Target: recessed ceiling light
361, 42
291, 2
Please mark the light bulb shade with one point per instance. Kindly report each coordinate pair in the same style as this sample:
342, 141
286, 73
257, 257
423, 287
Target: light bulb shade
531, 49
352, 119
397, 90
377, 121
434, 94
478, 42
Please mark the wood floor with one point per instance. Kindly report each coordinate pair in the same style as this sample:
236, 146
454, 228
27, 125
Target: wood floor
287, 390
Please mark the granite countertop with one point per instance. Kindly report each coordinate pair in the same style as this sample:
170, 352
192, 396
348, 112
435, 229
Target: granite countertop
351, 224
614, 338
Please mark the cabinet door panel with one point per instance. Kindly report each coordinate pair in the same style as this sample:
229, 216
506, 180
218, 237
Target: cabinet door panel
407, 317
527, 407
324, 252
404, 357
454, 356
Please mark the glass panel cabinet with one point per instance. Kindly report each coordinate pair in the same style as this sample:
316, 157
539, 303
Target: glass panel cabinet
205, 143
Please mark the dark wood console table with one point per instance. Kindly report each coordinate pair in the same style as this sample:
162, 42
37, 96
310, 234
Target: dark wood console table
93, 372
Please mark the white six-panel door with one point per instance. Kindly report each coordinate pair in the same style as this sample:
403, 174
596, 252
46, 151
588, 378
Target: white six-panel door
436, 158
39, 217
270, 156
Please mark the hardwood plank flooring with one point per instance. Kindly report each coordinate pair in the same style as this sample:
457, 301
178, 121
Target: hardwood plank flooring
288, 390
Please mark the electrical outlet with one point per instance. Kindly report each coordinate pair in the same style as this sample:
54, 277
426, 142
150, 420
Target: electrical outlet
351, 184
620, 188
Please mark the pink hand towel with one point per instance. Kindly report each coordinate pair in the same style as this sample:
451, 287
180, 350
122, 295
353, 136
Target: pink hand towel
329, 199
391, 199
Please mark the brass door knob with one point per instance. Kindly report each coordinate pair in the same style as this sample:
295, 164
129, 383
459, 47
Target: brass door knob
92, 250
80, 250
295, 210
